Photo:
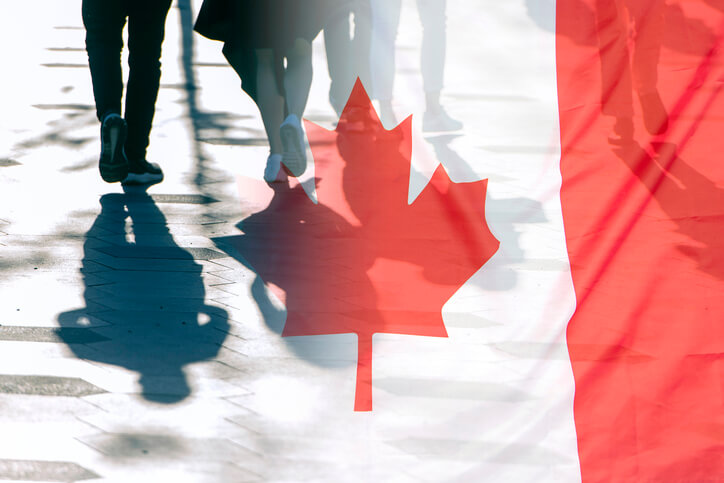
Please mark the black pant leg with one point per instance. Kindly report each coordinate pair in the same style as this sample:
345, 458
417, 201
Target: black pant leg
146, 30
104, 21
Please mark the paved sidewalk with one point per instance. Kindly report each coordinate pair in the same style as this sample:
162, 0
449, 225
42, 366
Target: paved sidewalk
132, 346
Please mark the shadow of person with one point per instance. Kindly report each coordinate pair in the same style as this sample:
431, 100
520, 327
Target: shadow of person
631, 66
629, 36
501, 275
297, 250
688, 198
363, 261
153, 296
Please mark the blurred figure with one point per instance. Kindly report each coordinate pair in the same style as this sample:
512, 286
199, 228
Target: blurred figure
638, 24
385, 23
348, 49
124, 141
269, 45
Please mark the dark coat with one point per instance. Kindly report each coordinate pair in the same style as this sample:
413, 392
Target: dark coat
215, 20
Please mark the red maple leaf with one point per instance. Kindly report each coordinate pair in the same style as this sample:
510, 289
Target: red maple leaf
363, 260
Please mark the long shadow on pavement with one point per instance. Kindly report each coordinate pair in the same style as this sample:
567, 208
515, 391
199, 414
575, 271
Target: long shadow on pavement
154, 292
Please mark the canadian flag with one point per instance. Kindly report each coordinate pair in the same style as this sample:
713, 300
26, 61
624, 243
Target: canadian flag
643, 210
589, 346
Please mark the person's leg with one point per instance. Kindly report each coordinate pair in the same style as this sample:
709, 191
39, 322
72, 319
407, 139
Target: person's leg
298, 76
104, 21
258, 71
340, 55
268, 98
146, 30
434, 44
616, 84
385, 22
613, 33
648, 19
297, 82
271, 106
362, 42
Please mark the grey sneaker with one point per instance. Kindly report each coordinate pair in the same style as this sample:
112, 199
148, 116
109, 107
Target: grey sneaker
141, 172
113, 164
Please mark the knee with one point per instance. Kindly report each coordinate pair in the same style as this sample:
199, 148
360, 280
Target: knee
300, 51
103, 39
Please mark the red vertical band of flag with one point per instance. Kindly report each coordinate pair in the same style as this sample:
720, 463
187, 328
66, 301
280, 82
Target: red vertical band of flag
643, 207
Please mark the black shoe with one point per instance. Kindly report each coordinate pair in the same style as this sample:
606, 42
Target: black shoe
141, 172
113, 164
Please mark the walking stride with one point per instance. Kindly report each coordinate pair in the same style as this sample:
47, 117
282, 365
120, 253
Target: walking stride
125, 135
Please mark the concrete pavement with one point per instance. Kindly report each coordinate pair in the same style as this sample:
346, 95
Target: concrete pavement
132, 346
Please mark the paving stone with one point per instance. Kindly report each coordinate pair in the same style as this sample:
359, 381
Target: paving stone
151, 288
167, 446
48, 334
150, 264
44, 471
191, 199
154, 239
47, 386
63, 412
162, 253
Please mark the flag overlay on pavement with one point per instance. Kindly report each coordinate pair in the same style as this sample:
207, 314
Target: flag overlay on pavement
530, 290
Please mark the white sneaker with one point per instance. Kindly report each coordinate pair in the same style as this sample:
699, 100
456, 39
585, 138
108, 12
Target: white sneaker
273, 172
295, 152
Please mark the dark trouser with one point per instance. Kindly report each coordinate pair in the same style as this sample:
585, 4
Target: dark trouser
104, 21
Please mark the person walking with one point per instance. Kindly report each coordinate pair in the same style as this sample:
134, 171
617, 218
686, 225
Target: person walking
630, 35
125, 138
385, 23
269, 45
348, 49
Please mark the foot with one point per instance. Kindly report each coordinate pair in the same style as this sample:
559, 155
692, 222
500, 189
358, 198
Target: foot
336, 103
113, 164
387, 115
623, 131
656, 118
141, 172
274, 171
439, 120
295, 152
